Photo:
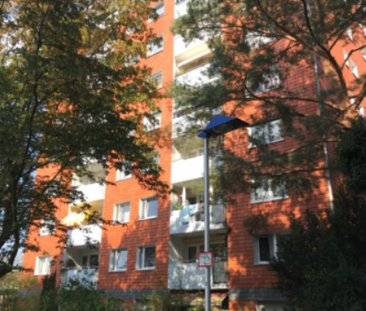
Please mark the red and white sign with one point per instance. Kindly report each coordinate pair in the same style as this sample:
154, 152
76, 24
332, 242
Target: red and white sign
205, 259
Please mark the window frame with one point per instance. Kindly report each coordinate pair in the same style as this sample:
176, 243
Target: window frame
269, 194
267, 135
148, 125
158, 6
141, 258
143, 211
113, 259
154, 77
354, 68
272, 251
117, 212
154, 48
271, 81
48, 226
121, 174
48, 259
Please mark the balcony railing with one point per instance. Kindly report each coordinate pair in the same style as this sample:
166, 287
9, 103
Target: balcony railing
87, 276
92, 192
191, 219
84, 235
190, 276
184, 50
187, 169
180, 8
196, 76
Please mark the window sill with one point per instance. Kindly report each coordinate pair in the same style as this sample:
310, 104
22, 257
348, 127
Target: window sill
123, 178
148, 218
145, 269
262, 263
268, 200
252, 146
116, 271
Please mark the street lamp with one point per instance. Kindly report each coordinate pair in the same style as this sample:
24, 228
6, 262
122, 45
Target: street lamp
219, 125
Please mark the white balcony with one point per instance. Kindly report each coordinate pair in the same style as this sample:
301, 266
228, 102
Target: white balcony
87, 276
92, 192
190, 219
184, 51
84, 235
187, 169
190, 276
181, 8
196, 76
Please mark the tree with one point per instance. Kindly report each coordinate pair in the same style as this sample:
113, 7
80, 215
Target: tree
321, 264
259, 48
69, 96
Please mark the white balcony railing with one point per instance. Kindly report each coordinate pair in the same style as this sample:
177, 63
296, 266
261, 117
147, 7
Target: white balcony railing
190, 276
196, 76
84, 235
181, 8
87, 276
191, 219
92, 192
183, 50
187, 169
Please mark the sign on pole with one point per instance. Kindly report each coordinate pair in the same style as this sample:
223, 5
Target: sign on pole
205, 259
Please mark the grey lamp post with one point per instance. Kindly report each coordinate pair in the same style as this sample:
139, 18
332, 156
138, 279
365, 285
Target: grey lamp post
218, 126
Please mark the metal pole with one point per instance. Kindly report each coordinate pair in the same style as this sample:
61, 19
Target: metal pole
207, 223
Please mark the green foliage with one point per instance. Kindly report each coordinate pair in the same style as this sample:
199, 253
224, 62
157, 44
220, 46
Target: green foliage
69, 96
253, 41
322, 262
164, 300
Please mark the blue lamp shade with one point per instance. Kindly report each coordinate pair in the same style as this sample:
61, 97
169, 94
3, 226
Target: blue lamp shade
221, 125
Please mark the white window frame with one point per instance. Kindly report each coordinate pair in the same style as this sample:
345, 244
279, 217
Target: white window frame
154, 48
264, 135
157, 78
150, 125
121, 173
354, 68
48, 226
121, 212
346, 59
43, 265
270, 81
349, 33
266, 193
144, 208
114, 256
88, 264
159, 9
141, 258
273, 249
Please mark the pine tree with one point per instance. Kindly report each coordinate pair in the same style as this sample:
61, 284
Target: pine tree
321, 264
71, 93
259, 47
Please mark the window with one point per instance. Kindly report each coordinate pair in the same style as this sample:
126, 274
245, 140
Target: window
47, 226
345, 55
270, 81
349, 33
264, 134
122, 212
149, 208
152, 122
124, 173
132, 60
43, 264
193, 252
267, 189
118, 260
363, 51
90, 261
159, 9
265, 248
354, 68
157, 79
155, 47
146, 258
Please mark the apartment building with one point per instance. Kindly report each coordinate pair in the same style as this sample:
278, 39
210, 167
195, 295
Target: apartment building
158, 245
